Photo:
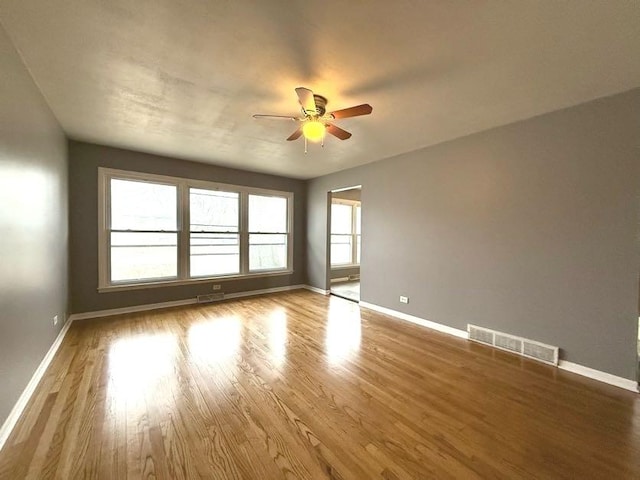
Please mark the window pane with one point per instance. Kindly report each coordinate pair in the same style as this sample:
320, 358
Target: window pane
142, 206
341, 220
340, 249
214, 254
212, 210
143, 256
358, 219
267, 214
358, 247
267, 251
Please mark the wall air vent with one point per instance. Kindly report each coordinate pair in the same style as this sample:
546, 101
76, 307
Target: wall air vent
210, 297
521, 346
540, 351
481, 335
507, 342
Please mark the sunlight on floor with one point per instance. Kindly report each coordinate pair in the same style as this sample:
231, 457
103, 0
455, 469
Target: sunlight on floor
215, 341
278, 336
344, 331
138, 364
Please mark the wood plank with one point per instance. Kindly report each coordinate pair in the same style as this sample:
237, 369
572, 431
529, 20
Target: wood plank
299, 385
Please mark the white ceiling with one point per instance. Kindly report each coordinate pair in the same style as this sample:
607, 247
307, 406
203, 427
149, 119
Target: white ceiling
182, 78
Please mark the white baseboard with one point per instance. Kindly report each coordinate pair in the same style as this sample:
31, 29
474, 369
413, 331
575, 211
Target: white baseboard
176, 303
317, 290
339, 279
599, 375
417, 320
10, 423
563, 364
132, 309
251, 293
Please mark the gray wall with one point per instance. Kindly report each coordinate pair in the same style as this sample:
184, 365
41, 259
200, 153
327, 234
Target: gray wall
84, 161
33, 227
531, 228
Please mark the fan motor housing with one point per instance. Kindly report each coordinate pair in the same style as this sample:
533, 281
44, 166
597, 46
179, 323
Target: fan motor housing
321, 104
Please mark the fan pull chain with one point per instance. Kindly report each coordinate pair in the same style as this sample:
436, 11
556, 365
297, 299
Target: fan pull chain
305, 145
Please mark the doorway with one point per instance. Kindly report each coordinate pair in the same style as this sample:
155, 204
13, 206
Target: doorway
345, 242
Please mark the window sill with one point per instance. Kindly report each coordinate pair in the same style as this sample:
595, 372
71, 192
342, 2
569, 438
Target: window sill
344, 267
194, 281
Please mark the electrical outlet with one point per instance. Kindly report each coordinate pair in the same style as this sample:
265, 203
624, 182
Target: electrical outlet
404, 299
55, 320
217, 286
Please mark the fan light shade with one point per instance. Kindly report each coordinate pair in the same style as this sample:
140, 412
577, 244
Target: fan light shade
313, 130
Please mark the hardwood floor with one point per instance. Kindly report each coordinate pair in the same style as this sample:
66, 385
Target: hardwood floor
299, 385
348, 290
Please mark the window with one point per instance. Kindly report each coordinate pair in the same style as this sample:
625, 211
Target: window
144, 231
214, 240
345, 233
158, 230
267, 232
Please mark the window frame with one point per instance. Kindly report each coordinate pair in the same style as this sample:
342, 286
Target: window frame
251, 232
183, 229
354, 233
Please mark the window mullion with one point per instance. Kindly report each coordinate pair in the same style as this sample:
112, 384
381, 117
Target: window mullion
354, 255
289, 232
184, 235
106, 230
244, 233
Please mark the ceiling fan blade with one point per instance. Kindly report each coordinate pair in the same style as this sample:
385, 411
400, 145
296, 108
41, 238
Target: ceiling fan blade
338, 132
364, 109
295, 135
305, 97
287, 117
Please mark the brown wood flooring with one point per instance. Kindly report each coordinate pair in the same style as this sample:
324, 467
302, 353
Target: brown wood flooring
299, 385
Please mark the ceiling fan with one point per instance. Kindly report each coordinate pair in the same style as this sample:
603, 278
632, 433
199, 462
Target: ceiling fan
315, 121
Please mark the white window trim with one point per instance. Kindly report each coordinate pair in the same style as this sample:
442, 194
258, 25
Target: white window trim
183, 185
354, 235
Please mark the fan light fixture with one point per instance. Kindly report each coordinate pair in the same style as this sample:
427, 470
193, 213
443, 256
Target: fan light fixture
313, 130
315, 121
